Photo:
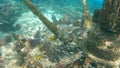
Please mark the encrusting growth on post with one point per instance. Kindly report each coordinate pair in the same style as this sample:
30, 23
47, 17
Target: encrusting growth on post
49, 25
52, 27
87, 19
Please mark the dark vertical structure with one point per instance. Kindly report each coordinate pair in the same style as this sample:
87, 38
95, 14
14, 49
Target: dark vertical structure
109, 18
104, 43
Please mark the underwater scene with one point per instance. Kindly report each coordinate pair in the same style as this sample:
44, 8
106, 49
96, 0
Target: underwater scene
59, 33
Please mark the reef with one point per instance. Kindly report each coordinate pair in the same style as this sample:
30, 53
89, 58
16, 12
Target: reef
71, 42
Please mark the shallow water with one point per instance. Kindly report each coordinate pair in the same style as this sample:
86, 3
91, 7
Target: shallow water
25, 42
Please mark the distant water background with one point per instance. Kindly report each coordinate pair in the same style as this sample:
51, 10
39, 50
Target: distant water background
92, 5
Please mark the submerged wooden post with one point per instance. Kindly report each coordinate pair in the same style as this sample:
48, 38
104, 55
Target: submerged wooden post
103, 44
45, 21
52, 27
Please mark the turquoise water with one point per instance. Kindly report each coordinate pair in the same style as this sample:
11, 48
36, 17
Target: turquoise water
10, 10
26, 41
